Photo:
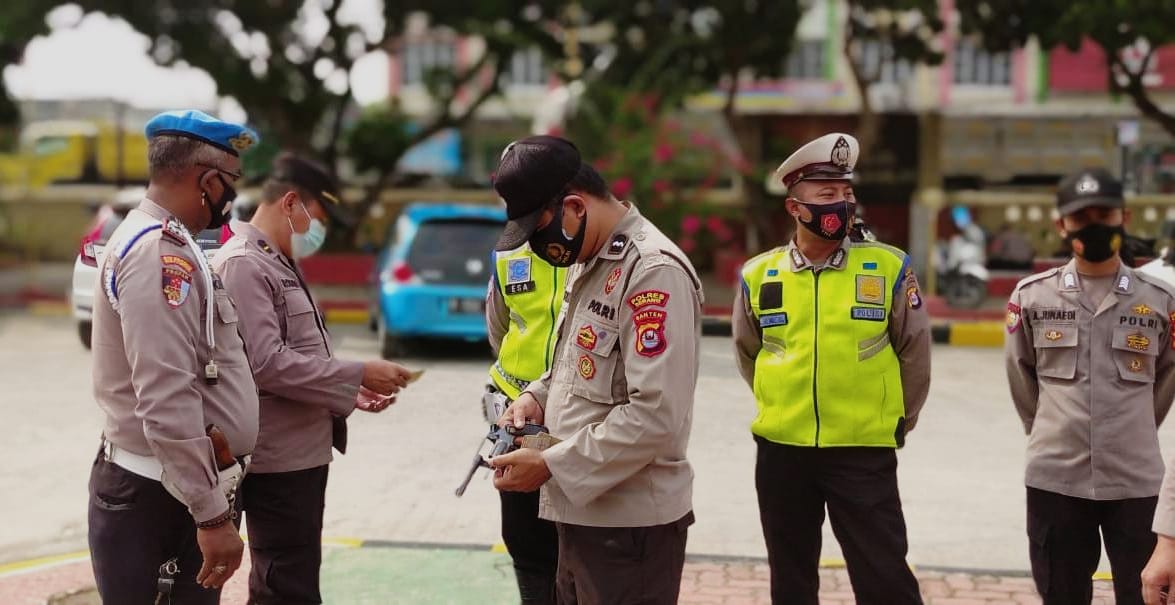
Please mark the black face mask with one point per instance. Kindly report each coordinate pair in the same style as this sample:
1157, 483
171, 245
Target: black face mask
1096, 242
220, 209
552, 243
829, 221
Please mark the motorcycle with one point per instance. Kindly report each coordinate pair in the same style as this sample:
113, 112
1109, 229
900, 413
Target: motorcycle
961, 263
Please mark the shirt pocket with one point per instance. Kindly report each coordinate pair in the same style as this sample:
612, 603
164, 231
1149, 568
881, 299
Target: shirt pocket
1056, 350
301, 325
1134, 353
596, 360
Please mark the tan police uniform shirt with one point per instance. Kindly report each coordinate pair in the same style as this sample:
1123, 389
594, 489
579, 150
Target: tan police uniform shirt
620, 391
908, 330
150, 349
305, 390
1091, 385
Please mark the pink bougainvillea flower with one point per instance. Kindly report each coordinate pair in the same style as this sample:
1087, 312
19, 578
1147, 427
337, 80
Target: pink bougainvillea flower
687, 245
660, 185
621, 187
663, 153
715, 224
690, 224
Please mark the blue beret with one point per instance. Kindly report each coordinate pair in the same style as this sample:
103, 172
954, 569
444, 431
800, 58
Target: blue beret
233, 138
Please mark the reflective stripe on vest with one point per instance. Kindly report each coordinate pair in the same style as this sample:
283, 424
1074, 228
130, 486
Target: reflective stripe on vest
827, 375
533, 292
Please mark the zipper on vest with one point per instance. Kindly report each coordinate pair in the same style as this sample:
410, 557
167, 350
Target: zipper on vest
816, 348
551, 307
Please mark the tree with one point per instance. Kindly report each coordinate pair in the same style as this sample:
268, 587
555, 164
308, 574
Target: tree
668, 50
20, 22
893, 30
289, 63
1121, 28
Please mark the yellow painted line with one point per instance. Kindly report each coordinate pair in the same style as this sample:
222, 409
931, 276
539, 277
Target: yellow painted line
347, 316
1103, 575
832, 563
499, 548
348, 542
16, 566
977, 333
46, 308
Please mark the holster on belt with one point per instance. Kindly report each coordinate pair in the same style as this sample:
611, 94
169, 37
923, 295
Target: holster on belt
231, 470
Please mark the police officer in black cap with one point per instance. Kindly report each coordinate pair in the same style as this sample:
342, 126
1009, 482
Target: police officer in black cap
306, 392
1090, 364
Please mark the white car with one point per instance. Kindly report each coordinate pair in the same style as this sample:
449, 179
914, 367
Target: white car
107, 219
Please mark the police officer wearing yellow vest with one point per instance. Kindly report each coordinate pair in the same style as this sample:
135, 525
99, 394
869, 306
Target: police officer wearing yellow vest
831, 336
1089, 361
522, 305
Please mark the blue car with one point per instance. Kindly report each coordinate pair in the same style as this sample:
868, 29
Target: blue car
433, 274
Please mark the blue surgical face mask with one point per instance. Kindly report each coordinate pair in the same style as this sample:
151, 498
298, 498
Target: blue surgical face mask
305, 244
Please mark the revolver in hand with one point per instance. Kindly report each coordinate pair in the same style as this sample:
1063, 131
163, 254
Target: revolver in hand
502, 438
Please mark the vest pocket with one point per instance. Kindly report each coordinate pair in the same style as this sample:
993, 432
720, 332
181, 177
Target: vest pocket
1134, 353
1056, 350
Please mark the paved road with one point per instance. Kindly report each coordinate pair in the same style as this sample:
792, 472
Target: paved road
960, 474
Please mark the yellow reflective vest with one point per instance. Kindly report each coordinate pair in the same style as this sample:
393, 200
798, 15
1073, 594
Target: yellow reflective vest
533, 291
826, 375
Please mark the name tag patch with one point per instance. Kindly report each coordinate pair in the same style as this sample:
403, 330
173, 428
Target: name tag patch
775, 319
523, 287
868, 313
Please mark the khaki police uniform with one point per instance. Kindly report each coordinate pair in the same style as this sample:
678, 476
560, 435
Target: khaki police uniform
151, 352
620, 395
837, 354
306, 396
523, 301
1090, 384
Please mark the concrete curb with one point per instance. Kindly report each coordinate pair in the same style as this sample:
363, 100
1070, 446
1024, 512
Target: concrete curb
968, 333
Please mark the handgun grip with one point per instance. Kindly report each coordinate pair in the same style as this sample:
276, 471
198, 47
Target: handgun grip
220, 447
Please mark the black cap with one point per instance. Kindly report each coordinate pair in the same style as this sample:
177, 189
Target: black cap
313, 177
531, 174
1090, 187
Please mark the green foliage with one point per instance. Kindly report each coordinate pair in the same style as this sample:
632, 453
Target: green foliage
1114, 25
20, 22
667, 168
378, 138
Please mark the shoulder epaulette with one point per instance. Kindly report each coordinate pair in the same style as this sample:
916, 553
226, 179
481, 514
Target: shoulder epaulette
1037, 277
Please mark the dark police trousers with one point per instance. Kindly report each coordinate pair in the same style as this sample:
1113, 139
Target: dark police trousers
621, 565
1064, 545
283, 515
135, 526
859, 486
533, 545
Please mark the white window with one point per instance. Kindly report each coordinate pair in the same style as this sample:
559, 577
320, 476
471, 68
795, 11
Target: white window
527, 69
420, 57
976, 65
806, 61
877, 57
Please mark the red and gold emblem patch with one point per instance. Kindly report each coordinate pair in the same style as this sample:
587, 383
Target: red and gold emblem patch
587, 338
587, 367
177, 279
650, 332
1012, 319
648, 298
613, 279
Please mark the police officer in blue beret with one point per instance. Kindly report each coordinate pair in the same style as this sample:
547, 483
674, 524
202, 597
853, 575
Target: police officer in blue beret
172, 380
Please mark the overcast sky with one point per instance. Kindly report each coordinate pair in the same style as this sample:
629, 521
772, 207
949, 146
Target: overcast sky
95, 56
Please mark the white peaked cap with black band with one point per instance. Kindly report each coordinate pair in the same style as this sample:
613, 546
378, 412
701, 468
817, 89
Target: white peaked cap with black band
828, 158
